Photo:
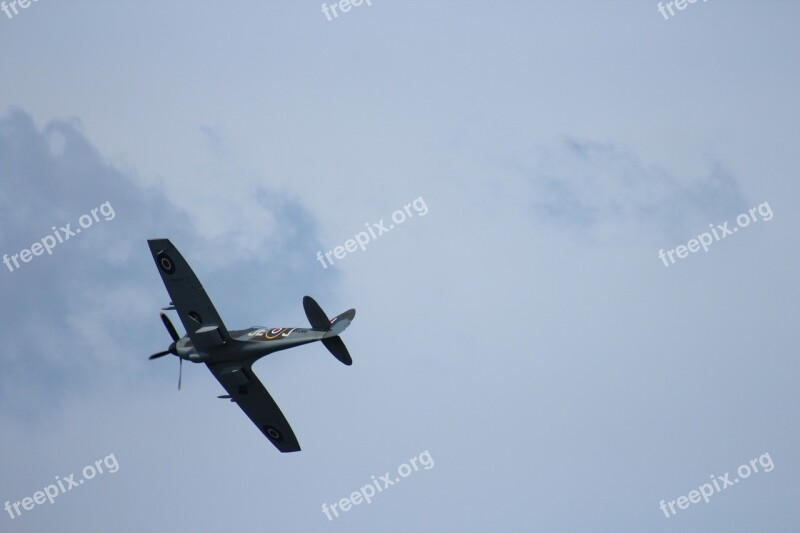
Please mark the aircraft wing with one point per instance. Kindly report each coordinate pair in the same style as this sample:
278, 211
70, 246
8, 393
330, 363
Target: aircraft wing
245, 389
202, 322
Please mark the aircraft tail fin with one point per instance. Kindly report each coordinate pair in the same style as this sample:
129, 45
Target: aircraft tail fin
332, 328
315, 314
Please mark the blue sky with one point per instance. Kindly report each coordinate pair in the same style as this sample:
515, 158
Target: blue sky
523, 331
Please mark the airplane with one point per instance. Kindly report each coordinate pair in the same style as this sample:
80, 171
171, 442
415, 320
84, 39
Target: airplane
230, 355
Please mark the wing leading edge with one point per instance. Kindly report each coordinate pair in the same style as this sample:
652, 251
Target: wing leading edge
245, 389
198, 315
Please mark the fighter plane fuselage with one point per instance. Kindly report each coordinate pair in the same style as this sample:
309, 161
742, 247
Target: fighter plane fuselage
249, 344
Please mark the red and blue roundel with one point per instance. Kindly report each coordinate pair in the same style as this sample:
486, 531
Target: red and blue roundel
273, 333
273, 433
165, 262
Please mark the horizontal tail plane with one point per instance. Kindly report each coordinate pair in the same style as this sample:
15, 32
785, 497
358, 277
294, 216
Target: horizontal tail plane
334, 326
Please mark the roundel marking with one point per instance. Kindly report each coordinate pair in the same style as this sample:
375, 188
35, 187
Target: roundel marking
273, 333
165, 262
273, 433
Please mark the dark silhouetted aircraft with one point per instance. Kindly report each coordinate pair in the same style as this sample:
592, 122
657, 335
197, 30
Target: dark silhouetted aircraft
230, 355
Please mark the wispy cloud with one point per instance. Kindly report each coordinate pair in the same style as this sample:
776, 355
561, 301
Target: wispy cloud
584, 184
82, 311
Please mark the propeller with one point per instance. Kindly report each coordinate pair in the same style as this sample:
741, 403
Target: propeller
170, 328
159, 354
172, 347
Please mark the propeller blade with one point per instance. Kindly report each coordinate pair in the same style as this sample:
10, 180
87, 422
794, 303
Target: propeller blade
170, 328
159, 354
180, 373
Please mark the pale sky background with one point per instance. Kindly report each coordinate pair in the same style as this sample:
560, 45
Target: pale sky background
523, 331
